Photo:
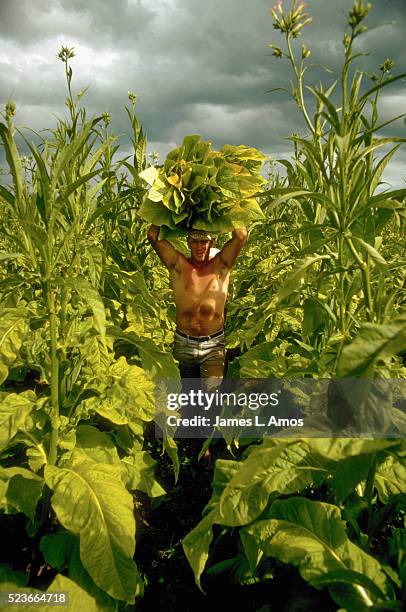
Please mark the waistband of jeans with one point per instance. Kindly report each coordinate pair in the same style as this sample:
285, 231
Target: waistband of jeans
199, 338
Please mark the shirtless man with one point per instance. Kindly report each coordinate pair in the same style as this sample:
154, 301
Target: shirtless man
200, 286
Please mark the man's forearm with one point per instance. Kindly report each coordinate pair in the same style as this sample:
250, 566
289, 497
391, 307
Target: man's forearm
167, 254
232, 248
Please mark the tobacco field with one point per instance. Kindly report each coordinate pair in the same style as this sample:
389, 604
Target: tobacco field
91, 502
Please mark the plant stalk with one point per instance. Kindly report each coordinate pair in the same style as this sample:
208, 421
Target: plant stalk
53, 325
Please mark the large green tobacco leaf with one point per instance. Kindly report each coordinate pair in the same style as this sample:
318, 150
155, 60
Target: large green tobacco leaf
92, 299
312, 536
14, 411
96, 445
268, 360
90, 500
374, 343
205, 189
13, 330
94, 350
363, 405
242, 213
390, 478
293, 280
156, 213
57, 548
20, 490
132, 392
342, 448
282, 469
138, 469
158, 364
197, 542
11, 577
140, 472
129, 396
348, 474
61, 551
77, 597
315, 319
354, 458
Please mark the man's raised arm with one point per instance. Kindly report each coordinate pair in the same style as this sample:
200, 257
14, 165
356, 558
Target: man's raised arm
166, 252
232, 248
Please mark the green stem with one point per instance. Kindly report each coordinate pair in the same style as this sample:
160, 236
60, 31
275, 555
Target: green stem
369, 489
365, 278
299, 79
367, 289
53, 324
104, 255
341, 281
344, 75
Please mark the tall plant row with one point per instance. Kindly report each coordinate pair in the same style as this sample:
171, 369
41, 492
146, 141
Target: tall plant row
87, 319
77, 371
327, 300
335, 259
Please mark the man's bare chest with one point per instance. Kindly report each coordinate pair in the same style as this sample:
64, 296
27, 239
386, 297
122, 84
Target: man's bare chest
199, 283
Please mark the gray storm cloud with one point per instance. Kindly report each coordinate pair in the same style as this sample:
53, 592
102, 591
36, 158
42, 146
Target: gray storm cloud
196, 67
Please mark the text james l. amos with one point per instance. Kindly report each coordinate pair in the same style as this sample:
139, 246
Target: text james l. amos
256, 421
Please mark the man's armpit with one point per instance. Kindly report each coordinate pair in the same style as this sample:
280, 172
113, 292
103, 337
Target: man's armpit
223, 267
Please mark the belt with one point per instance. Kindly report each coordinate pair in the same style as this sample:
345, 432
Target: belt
199, 338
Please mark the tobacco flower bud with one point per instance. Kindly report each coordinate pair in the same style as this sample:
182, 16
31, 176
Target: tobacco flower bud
305, 51
66, 53
387, 65
358, 13
132, 97
277, 51
293, 21
346, 41
10, 109
106, 117
277, 7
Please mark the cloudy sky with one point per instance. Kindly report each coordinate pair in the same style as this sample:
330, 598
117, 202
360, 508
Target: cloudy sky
197, 67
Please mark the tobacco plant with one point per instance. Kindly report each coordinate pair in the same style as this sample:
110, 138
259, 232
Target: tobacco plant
335, 258
316, 504
72, 404
329, 303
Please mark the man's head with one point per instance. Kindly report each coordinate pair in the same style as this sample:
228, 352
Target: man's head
199, 243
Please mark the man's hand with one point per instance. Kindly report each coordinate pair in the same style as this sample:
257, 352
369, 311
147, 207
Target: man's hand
241, 233
232, 248
166, 253
153, 233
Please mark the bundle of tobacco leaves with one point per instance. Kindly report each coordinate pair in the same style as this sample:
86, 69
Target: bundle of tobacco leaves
204, 189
